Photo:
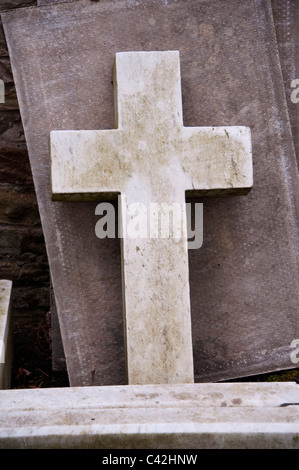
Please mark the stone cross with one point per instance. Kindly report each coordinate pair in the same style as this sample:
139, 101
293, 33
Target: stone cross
152, 158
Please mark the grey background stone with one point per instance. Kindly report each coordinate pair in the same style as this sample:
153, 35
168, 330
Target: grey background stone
212, 266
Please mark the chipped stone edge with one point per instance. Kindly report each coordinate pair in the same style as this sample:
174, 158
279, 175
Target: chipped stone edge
5, 333
194, 416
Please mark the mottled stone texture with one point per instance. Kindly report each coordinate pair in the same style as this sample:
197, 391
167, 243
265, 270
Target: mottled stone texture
23, 256
31, 291
286, 19
190, 416
244, 282
12, 4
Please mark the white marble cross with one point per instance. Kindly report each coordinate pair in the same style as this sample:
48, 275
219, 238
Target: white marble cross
152, 158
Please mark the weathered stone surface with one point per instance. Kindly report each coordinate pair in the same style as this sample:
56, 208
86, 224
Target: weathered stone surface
47, 2
198, 416
23, 259
244, 280
151, 158
58, 356
286, 20
5, 333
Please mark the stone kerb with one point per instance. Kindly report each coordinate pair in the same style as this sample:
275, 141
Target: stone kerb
5, 333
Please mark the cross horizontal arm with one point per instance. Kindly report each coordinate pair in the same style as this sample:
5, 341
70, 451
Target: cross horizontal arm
87, 163
217, 160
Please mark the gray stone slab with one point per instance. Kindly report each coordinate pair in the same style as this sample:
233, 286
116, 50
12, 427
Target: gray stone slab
151, 158
244, 280
5, 333
48, 2
58, 356
286, 18
197, 416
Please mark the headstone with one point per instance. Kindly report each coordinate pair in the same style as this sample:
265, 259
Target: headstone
286, 18
244, 280
152, 159
5, 333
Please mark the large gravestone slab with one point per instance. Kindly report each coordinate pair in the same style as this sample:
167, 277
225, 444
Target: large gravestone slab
244, 280
286, 18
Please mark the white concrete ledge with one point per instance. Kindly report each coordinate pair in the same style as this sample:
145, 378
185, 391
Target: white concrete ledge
196, 416
5, 333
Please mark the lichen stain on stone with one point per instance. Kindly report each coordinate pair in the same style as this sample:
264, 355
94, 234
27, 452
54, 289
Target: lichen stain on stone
151, 157
216, 395
153, 395
183, 396
236, 401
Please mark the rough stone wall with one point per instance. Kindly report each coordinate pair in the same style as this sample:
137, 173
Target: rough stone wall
23, 256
